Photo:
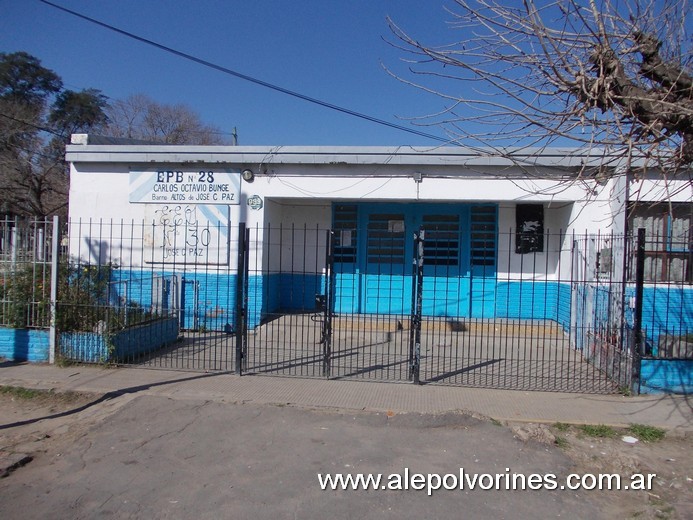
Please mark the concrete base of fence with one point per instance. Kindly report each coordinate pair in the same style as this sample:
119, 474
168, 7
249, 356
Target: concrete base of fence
666, 376
124, 346
24, 344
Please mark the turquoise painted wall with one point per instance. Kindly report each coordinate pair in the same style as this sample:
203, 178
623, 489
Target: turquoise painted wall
90, 347
24, 344
666, 310
666, 376
207, 299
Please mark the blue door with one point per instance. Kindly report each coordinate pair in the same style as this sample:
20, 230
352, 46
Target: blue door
374, 258
387, 273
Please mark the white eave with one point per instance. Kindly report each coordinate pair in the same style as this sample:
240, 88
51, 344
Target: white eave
326, 155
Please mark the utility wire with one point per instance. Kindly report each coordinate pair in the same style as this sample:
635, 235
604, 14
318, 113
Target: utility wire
245, 77
42, 128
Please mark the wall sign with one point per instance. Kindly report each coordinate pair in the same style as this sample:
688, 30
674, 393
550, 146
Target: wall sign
185, 185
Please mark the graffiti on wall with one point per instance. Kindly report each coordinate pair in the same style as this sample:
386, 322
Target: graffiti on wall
187, 234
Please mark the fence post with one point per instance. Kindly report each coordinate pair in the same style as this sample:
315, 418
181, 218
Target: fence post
14, 242
417, 296
329, 305
638, 348
240, 298
55, 260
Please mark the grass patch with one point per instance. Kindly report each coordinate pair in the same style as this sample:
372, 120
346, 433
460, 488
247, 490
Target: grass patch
23, 393
647, 433
561, 426
598, 430
561, 442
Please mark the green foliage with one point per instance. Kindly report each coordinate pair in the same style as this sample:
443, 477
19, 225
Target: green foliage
625, 390
38, 119
85, 302
25, 297
561, 442
83, 299
25, 80
647, 433
561, 427
75, 112
598, 430
82, 296
21, 392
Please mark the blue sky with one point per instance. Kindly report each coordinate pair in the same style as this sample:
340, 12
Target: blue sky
332, 50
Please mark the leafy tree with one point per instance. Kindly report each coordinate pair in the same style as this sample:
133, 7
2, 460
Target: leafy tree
605, 74
140, 117
23, 79
38, 117
78, 112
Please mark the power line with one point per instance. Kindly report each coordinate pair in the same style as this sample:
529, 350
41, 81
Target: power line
42, 128
245, 77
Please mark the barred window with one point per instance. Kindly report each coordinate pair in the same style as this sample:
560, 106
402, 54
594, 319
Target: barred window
668, 240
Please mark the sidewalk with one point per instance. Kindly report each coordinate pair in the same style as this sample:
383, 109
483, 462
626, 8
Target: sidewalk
666, 411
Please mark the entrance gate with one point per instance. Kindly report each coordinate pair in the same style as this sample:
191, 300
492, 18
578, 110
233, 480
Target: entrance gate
291, 324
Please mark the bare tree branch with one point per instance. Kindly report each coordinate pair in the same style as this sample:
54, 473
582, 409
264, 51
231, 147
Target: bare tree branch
604, 74
140, 117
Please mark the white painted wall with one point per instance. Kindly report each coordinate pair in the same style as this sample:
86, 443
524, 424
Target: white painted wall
301, 194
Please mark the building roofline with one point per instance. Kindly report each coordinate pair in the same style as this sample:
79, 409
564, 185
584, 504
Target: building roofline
81, 151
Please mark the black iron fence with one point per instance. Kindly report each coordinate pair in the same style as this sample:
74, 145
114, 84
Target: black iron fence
566, 314
25, 272
551, 320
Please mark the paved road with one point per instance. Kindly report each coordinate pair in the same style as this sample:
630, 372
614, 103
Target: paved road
155, 457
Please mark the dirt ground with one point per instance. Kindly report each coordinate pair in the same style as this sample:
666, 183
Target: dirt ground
670, 458
46, 425
36, 422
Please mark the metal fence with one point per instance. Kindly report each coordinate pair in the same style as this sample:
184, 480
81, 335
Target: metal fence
549, 320
152, 293
565, 312
25, 272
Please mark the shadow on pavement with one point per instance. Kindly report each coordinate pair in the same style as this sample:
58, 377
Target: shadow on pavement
106, 397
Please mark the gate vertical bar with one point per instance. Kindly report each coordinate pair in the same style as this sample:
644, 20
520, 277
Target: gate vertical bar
637, 318
416, 305
55, 258
329, 304
623, 328
240, 298
246, 290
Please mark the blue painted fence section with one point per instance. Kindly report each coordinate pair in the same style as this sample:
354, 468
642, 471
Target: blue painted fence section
92, 347
86, 347
24, 344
